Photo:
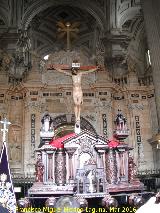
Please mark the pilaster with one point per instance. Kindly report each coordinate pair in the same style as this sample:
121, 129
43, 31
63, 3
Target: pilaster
150, 18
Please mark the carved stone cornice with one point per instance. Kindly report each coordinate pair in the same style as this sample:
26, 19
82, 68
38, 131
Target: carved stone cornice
20, 88
136, 107
116, 60
116, 39
34, 106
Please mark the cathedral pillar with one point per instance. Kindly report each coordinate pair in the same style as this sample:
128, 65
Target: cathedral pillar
151, 18
152, 30
71, 169
16, 12
50, 159
32, 116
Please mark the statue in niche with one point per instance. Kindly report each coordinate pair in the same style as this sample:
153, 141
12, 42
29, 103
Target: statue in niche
15, 150
91, 176
47, 123
39, 167
120, 121
76, 75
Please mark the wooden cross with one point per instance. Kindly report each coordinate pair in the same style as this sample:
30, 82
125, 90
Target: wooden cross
69, 67
5, 122
68, 29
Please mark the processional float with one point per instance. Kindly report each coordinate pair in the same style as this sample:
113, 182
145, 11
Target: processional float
80, 167
85, 166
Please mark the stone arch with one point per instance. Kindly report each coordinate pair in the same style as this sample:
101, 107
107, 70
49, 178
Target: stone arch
47, 45
83, 156
45, 50
39, 6
43, 38
70, 120
136, 48
130, 14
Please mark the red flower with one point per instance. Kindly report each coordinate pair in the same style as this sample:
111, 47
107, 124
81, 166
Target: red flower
113, 143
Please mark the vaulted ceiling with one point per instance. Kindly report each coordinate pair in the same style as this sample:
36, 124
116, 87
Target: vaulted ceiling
112, 26
45, 29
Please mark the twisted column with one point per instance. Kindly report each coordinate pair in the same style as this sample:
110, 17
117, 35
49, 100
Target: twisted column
111, 167
60, 167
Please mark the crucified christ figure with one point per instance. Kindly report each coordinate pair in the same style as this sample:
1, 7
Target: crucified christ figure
76, 75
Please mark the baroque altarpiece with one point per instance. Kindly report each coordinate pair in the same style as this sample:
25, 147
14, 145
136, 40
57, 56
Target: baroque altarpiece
49, 91
108, 32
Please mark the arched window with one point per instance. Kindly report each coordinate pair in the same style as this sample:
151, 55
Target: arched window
46, 57
148, 58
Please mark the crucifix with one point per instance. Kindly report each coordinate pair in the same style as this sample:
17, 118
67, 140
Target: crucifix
5, 122
76, 73
75, 70
69, 30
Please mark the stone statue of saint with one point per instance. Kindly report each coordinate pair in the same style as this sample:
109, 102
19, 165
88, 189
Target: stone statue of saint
76, 75
15, 149
46, 122
92, 179
39, 167
120, 121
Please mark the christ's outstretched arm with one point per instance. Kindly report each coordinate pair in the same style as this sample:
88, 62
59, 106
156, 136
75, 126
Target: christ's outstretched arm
88, 71
62, 71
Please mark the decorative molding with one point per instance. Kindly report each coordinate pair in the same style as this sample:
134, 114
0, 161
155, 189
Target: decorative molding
104, 118
136, 107
90, 117
36, 106
139, 141
70, 119
33, 122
